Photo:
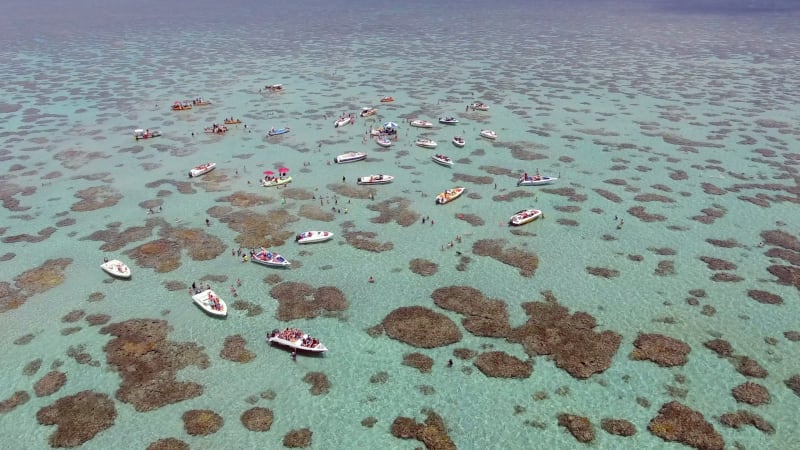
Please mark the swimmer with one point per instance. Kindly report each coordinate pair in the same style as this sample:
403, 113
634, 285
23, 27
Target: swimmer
371, 279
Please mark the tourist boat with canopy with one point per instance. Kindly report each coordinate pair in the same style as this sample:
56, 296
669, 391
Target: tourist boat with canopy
116, 268
525, 216
375, 179
211, 303
296, 339
387, 99
268, 258
449, 195
202, 169
276, 181
312, 237
350, 157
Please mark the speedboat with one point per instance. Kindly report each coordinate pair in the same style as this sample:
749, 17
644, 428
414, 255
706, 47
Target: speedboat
342, 121
448, 120
376, 179
182, 106
311, 237
116, 268
201, 102
489, 134
459, 141
442, 160
449, 195
273, 87
535, 180
350, 157
276, 181
268, 258
145, 134
202, 169
232, 121
278, 131
216, 129
296, 339
387, 99
211, 303
426, 143
367, 111
384, 141
478, 106
419, 123
525, 216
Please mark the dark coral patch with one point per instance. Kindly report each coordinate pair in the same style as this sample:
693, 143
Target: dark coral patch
602, 272
395, 209
201, 422
299, 300
662, 350
432, 432
740, 418
79, 418
423, 363
677, 422
319, 383
234, 350
751, 393
257, 419
50, 383
421, 327
526, 262
618, 427
168, 444
579, 427
298, 438
502, 365
423, 267
482, 316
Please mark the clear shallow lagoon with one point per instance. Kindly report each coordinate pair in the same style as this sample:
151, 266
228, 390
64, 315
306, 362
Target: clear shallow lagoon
687, 111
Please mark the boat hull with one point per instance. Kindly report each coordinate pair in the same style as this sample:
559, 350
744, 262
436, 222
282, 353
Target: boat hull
270, 260
350, 157
449, 195
426, 143
375, 179
442, 161
525, 216
313, 237
116, 269
278, 182
536, 182
202, 170
204, 302
459, 142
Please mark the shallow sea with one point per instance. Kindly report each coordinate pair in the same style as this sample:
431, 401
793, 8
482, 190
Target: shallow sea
687, 111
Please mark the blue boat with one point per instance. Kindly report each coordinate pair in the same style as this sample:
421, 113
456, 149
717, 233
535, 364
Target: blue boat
277, 131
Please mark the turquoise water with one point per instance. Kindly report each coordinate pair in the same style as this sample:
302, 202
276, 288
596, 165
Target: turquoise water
633, 92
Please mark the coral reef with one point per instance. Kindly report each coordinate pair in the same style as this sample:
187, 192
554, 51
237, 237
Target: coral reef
319, 383
234, 350
602, 272
580, 427
421, 362
364, 240
34, 281
749, 367
482, 316
18, 398
751, 393
257, 419
662, 350
740, 418
394, 209
168, 444
719, 346
793, 383
502, 365
50, 383
201, 422
293, 302
618, 427
678, 422
298, 438
432, 432
32, 367
78, 418
526, 262
420, 327
314, 212
423, 267
95, 198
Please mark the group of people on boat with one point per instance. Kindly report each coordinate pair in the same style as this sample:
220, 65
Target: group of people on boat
199, 101
535, 177
294, 335
231, 120
216, 129
213, 301
265, 255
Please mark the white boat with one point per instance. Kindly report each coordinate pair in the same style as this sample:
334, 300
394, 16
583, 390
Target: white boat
459, 141
489, 134
211, 303
442, 160
202, 169
384, 141
296, 339
376, 179
525, 216
368, 111
448, 120
216, 129
310, 237
145, 134
342, 121
419, 123
535, 180
276, 181
426, 143
449, 195
278, 131
350, 157
116, 268
268, 258
274, 87
478, 106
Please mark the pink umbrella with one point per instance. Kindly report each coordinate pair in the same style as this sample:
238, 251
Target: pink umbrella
269, 172
283, 170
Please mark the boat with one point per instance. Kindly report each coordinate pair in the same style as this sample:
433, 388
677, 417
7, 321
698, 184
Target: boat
342, 121
375, 179
278, 131
145, 134
384, 141
202, 169
276, 181
216, 129
296, 339
268, 258
478, 106
419, 123
367, 111
442, 160
201, 102
449, 195
311, 237
211, 303
387, 99
535, 180
350, 157
116, 268
448, 120
182, 106
525, 216
425, 143
232, 121
459, 141
273, 87
489, 134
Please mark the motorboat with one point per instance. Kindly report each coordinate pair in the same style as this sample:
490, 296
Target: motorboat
276, 181
525, 216
311, 237
216, 129
145, 134
489, 134
442, 160
387, 99
278, 131
116, 268
535, 180
268, 258
419, 123
459, 141
448, 120
296, 339
425, 143
478, 106
342, 121
384, 141
449, 195
211, 303
201, 102
350, 157
368, 111
202, 169
182, 106
232, 121
273, 87
375, 179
